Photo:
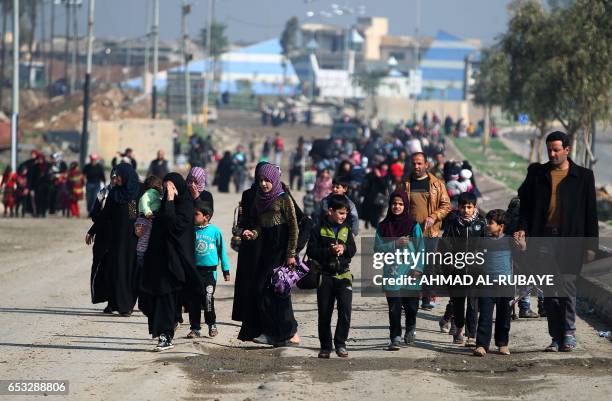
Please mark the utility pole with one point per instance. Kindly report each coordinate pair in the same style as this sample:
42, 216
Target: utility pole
209, 22
186, 10
66, 43
50, 55
155, 58
15, 116
147, 43
75, 44
86, 88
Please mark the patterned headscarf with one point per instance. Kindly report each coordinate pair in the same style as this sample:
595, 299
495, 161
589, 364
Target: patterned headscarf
199, 176
265, 199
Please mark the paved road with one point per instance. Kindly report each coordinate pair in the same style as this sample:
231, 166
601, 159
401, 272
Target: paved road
49, 330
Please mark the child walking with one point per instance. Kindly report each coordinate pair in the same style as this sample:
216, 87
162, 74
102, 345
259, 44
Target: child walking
332, 246
399, 231
498, 262
210, 250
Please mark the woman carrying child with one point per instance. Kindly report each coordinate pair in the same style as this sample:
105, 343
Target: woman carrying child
399, 231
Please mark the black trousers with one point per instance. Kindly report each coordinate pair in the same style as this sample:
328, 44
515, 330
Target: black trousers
410, 305
485, 321
463, 317
330, 291
561, 316
206, 302
293, 174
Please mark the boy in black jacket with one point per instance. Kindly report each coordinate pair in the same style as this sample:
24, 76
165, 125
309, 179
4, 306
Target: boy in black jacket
463, 232
332, 246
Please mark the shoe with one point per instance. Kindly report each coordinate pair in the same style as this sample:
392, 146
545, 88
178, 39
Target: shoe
212, 330
553, 347
528, 314
342, 352
125, 314
445, 325
409, 337
458, 338
324, 354
164, 344
194, 334
504, 350
263, 339
480, 351
427, 307
569, 343
471, 342
394, 344
108, 310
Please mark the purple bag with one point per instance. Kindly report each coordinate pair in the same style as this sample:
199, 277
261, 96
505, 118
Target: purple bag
285, 277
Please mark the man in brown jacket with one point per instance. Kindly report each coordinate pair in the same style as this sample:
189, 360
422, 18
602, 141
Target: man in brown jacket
429, 205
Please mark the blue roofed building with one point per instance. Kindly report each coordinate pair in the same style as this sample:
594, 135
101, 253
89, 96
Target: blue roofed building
447, 68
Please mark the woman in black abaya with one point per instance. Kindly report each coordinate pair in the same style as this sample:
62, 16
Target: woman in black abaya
169, 263
114, 273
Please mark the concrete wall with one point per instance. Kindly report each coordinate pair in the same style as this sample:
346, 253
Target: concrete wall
395, 109
144, 136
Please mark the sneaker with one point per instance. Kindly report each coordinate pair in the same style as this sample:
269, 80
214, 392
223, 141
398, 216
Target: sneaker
528, 314
212, 330
394, 344
194, 334
164, 344
480, 351
504, 350
409, 337
471, 342
342, 352
324, 354
263, 339
445, 325
428, 306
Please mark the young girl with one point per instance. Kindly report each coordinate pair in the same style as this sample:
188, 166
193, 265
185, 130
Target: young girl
148, 205
8, 184
398, 231
76, 182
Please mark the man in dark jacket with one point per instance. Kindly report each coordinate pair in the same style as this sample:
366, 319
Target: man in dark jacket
558, 202
159, 166
332, 246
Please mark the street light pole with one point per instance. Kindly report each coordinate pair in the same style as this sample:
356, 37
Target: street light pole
155, 58
86, 87
186, 9
15, 115
209, 22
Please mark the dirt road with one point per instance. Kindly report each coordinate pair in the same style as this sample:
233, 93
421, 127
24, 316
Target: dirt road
50, 330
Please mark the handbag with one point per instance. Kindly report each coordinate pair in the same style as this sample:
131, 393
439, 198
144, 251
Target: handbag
312, 279
236, 231
285, 277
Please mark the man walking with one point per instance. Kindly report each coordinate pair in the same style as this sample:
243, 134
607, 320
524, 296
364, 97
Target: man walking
158, 166
557, 201
429, 205
95, 180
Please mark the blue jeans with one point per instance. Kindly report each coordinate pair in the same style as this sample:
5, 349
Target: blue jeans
91, 191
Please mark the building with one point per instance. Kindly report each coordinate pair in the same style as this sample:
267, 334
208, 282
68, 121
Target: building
447, 66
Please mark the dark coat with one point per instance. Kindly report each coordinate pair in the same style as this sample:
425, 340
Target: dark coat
576, 198
322, 237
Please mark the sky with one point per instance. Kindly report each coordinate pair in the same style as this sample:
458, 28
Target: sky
255, 20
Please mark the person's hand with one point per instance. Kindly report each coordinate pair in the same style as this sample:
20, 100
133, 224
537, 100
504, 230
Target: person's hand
248, 234
520, 234
429, 222
415, 274
402, 241
520, 243
226, 276
139, 230
589, 256
89, 239
171, 190
291, 262
193, 189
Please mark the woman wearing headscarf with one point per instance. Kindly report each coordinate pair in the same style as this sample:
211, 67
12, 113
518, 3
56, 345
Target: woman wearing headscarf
224, 171
197, 181
276, 229
322, 186
244, 299
169, 262
375, 189
399, 232
114, 273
